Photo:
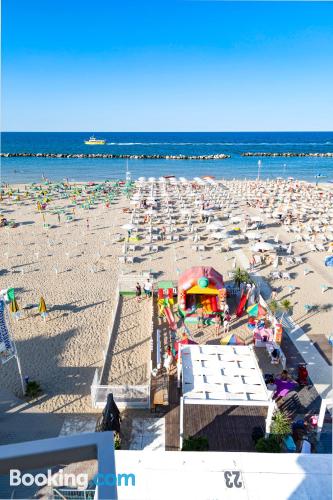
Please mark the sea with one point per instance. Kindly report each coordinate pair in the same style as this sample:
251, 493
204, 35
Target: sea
25, 170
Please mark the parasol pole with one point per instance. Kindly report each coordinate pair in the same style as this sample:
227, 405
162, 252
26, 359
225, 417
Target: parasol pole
259, 167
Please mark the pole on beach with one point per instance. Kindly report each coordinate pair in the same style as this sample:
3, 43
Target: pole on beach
20, 373
259, 167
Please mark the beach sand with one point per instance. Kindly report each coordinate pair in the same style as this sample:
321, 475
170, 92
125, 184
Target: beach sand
63, 352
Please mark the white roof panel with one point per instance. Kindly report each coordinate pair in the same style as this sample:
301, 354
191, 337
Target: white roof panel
222, 373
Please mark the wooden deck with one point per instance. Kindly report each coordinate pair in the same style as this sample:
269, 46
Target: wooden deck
228, 428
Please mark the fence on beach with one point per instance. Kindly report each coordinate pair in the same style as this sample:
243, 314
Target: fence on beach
126, 396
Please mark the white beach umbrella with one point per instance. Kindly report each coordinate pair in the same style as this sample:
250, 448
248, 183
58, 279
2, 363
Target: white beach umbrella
263, 246
235, 220
128, 226
218, 236
253, 235
256, 219
215, 225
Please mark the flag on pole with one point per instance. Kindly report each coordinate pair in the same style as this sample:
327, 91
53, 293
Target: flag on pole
7, 347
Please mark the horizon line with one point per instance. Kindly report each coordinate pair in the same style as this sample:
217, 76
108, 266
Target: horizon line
165, 131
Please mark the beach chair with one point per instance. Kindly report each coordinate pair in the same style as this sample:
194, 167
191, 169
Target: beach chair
122, 259
132, 248
194, 248
321, 247
130, 259
175, 237
201, 248
312, 247
286, 276
298, 260
275, 275
155, 248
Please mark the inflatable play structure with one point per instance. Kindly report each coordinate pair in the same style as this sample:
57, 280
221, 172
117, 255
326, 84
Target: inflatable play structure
201, 295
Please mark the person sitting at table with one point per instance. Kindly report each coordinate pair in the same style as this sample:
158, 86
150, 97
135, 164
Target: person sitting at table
284, 384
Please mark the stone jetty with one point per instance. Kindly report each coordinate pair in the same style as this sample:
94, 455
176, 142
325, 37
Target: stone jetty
316, 155
113, 156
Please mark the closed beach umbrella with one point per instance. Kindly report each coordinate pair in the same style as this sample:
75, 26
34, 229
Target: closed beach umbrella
13, 307
42, 306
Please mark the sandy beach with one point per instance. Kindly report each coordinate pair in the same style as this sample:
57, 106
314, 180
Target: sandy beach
75, 266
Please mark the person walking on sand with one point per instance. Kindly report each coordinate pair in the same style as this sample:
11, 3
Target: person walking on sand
138, 292
162, 233
148, 288
59, 218
88, 224
219, 324
226, 323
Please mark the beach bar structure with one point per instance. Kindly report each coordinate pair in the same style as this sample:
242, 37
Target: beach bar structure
221, 376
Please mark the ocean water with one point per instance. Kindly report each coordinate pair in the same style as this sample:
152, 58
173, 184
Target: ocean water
190, 143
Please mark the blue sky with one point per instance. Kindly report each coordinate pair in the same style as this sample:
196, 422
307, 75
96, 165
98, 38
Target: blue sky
119, 65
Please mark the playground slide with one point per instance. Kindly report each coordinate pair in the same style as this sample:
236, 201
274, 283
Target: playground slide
241, 305
170, 318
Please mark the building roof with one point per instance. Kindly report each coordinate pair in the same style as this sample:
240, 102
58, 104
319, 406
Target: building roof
213, 374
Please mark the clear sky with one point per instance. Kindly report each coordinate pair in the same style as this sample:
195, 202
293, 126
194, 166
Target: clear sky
120, 65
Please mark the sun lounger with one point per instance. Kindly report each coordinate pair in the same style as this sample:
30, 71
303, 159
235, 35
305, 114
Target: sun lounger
286, 276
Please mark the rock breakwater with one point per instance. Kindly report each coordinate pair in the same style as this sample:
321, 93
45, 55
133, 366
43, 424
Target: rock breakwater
316, 155
113, 156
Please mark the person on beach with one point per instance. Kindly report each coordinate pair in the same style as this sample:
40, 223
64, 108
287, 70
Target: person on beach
138, 292
148, 288
219, 324
168, 360
226, 323
59, 218
88, 225
284, 384
162, 233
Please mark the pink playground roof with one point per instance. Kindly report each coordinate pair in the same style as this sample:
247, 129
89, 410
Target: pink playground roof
196, 272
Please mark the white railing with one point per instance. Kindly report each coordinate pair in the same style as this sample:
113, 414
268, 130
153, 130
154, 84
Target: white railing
127, 282
125, 396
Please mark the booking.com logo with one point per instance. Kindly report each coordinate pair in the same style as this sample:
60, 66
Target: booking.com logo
68, 480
